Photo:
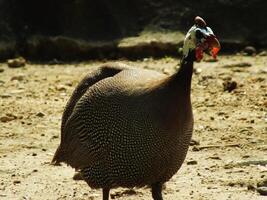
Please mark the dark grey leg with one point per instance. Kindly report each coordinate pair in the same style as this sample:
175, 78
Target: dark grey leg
105, 194
156, 191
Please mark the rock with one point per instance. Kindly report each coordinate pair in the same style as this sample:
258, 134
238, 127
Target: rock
221, 113
40, 114
34, 154
215, 157
263, 71
16, 182
262, 191
61, 88
69, 83
197, 70
1, 70
194, 142
231, 184
77, 176
262, 183
263, 53
6, 118
229, 85
18, 78
192, 162
16, 62
250, 50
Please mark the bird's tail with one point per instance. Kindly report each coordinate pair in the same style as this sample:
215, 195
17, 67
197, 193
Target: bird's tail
58, 156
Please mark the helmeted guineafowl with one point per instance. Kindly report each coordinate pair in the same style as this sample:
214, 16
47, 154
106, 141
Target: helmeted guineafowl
130, 127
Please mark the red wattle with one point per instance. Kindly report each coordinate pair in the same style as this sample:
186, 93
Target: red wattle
199, 53
214, 52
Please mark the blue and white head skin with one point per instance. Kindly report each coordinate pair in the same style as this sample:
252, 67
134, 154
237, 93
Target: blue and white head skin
201, 38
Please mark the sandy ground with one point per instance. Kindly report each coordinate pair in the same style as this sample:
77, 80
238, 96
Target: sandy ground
230, 127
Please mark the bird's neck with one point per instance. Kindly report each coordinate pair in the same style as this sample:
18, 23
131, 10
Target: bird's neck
177, 106
181, 80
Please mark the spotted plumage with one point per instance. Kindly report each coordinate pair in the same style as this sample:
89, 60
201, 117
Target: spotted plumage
128, 127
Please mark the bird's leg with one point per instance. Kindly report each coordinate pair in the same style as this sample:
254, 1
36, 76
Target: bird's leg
156, 191
105, 193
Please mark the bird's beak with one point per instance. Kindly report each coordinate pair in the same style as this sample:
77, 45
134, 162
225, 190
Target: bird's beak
213, 45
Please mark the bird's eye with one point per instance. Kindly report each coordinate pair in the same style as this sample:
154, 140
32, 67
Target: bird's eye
199, 34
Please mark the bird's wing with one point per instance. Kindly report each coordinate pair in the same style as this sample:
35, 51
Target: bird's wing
90, 79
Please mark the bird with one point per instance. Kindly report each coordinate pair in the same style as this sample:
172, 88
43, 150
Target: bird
130, 127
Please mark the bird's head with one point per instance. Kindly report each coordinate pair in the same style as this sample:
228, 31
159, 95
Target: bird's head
199, 39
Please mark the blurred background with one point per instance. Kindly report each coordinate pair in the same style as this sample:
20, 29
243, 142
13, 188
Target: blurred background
84, 29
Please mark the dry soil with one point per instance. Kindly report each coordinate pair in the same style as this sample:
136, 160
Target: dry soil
226, 160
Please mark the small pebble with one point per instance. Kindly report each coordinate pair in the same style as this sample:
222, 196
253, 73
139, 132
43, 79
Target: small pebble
192, 162
34, 154
40, 114
263, 53
69, 83
6, 118
16, 62
263, 71
229, 85
61, 88
262, 183
17, 78
197, 71
215, 157
78, 176
194, 142
250, 50
16, 182
262, 191
1, 70
231, 184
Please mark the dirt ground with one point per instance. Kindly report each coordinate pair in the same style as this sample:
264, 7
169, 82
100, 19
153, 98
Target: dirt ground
226, 160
